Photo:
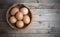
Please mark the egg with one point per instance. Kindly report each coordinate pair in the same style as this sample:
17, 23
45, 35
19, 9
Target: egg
24, 10
19, 24
13, 19
14, 11
19, 15
26, 19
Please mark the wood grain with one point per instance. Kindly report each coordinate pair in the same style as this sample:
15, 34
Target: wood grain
45, 22
35, 5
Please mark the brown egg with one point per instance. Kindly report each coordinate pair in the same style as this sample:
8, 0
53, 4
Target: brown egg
14, 11
12, 19
19, 16
26, 19
19, 24
24, 10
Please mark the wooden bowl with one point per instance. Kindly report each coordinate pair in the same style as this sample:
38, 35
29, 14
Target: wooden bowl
19, 5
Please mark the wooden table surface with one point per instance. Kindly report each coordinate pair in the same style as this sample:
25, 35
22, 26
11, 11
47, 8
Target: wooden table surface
45, 21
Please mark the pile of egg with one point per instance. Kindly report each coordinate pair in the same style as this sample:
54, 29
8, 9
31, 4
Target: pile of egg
19, 17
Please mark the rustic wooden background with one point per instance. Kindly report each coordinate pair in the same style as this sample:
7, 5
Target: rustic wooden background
45, 23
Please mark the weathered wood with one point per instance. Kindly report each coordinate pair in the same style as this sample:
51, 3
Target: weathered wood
42, 22
45, 21
17, 1
7, 35
38, 14
34, 35
35, 5
27, 35
48, 1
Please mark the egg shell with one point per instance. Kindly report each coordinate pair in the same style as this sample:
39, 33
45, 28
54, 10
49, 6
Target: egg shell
14, 11
19, 24
12, 19
19, 15
26, 19
24, 10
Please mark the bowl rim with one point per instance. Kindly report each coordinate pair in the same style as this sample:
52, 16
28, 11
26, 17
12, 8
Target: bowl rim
13, 27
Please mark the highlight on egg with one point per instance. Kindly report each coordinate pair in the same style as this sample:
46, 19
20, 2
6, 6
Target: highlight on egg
12, 19
26, 19
14, 11
24, 10
19, 15
19, 24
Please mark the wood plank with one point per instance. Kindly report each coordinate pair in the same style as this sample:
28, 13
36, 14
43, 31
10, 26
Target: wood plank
35, 5
30, 35
48, 1
7, 35
17, 1
34, 35
28, 1
41, 24
39, 14
37, 25
34, 27
27, 35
